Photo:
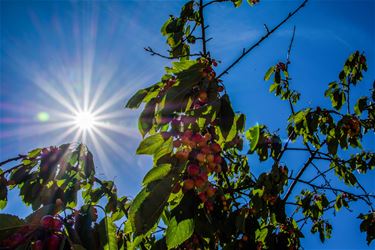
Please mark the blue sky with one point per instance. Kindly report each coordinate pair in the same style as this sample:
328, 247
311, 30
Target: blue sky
94, 51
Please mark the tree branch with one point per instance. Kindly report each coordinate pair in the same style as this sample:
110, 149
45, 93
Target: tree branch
203, 28
154, 53
19, 157
244, 53
311, 158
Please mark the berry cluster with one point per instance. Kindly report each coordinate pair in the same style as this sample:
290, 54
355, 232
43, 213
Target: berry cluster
45, 236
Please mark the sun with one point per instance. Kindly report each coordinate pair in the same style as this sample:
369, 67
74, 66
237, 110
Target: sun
85, 120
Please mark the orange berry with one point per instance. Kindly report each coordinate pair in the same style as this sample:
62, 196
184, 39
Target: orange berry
215, 148
202, 196
210, 158
199, 182
182, 155
201, 157
188, 184
202, 96
210, 191
177, 144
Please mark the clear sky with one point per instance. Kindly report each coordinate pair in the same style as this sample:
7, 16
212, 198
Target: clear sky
57, 56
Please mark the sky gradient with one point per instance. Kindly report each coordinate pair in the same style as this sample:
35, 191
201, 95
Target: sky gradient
55, 56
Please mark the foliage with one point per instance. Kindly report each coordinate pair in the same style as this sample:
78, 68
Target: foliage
201, 192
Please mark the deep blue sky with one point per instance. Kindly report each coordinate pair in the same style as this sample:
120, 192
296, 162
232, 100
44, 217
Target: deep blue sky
48, 47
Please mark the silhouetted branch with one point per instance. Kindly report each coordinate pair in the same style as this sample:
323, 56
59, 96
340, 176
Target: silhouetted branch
154, 53
19, 157
262, 39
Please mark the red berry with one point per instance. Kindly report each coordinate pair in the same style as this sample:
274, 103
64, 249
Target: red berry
203, 197
198, 138
211, 191
193, 169
199, 182
215, 148
188, 184
176, 144
57, 224
202, 96
201, 157
182, 155
218, 159
53, 242
48, 222
220, 89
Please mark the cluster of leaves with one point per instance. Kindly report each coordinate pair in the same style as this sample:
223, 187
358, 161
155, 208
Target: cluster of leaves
201, 192
50, 180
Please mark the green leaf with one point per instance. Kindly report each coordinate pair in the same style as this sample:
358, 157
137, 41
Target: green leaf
34, 153
269, 73
148, 205
178, 232
360, 105
252, 135
261, 234
151, 144
226, 116
165, 149
107, 233
136, 99
237, 3
146, 118
156, 173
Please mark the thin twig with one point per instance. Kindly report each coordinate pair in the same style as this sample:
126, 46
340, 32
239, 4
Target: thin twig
203, 28
154, 53
262, 39
19, 157
289, 191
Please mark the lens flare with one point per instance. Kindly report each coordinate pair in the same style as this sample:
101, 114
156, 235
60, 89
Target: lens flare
85, 120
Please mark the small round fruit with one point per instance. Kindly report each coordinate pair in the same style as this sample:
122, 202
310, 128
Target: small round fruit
199, 182
53, 242
218, 159
188, 184
210, 191
47, 222
57, 224
203, 197
193, 169
201, 157
59, 202
176, 143
220, 89
215, 148
182, 155
202, 96
210, 158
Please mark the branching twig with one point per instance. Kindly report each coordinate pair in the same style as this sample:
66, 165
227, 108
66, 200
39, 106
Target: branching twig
19, 157
154, 53
289, 191
203, 28
363, 197
262, 39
